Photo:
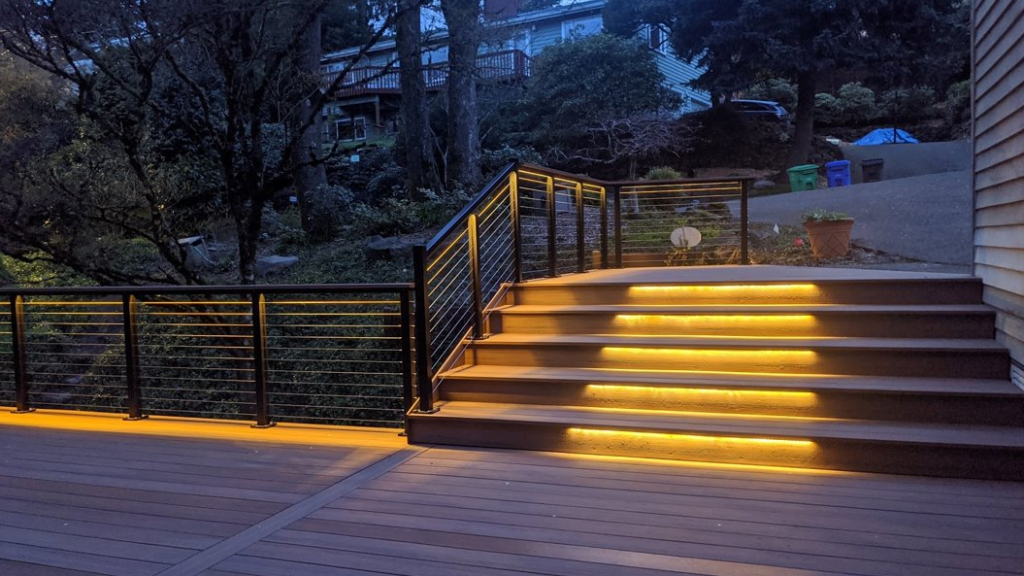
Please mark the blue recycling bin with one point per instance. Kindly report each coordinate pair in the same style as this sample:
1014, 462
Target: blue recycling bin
838, 173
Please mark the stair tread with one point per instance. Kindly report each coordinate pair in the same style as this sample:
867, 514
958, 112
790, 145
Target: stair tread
810, 383
532, 309
735, 425
756, 274
611, 340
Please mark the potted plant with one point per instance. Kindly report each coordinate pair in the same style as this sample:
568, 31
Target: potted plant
829, 233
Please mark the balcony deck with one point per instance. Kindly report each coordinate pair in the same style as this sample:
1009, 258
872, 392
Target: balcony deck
91, 494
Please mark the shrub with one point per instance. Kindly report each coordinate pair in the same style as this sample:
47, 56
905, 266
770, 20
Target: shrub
857, 103
828, 109
777, 90
663, 173
958, 102
908, 103
822, 215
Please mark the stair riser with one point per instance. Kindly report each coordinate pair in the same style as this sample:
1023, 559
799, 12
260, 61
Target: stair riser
829, 454
904, 407
878, 293
849, 325
879, 362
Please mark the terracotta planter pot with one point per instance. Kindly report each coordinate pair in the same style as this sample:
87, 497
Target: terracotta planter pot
830, 239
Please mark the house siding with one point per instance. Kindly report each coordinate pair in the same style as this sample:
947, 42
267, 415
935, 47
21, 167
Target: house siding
998, 54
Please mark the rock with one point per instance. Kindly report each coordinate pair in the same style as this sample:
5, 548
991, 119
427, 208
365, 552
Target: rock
269, 265
381, 248
763, 184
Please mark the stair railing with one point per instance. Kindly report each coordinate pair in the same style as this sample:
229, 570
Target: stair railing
532, 222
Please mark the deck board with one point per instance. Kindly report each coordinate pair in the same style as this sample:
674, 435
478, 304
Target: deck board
77, 502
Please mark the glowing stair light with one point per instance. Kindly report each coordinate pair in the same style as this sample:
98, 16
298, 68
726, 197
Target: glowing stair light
708, 447
729, 293
707, 398
738, 360
732, 325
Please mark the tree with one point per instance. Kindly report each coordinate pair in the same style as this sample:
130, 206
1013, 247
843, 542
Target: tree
462, 18
202, 78
416, 136
742, 41
597, 99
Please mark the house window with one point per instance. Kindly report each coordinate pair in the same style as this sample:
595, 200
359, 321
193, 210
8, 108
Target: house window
582, 27
657, 38
350, 129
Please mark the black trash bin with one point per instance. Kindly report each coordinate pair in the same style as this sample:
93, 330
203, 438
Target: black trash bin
873, 170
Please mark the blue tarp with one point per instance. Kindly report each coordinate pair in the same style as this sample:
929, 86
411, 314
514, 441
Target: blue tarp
885, 136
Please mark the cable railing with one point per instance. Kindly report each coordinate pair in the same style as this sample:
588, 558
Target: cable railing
334, 354
531, 222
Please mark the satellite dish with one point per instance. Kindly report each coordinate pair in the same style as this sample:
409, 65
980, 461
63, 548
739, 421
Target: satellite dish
686, 237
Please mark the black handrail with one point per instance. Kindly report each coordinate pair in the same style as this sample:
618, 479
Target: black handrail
463, 215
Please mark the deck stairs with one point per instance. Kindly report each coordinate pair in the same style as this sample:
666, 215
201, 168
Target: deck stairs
861, 371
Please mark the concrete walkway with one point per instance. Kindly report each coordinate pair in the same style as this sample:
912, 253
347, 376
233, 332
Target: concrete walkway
926, 218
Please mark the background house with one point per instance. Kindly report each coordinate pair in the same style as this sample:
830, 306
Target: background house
366, 106
999, 167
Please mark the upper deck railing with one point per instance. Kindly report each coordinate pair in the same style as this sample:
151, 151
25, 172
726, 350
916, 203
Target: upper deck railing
496, 66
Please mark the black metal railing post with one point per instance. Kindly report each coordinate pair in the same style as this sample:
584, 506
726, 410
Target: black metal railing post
132, 371
581, 237
405, 309
517, 226
617, 208
604, 228
424, 378
552, 229
475, 285
259, 355
20, 353
744, 223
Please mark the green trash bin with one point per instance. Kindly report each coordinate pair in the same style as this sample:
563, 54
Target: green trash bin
803, 177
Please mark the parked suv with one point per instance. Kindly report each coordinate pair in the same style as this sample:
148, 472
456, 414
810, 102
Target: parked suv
761, 110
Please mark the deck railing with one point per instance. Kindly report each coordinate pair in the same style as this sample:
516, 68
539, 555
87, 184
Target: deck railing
504, 65
338, 354
532, 222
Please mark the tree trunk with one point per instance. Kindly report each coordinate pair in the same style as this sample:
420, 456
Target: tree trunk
463, 20
310, 178
801, 150
415, 129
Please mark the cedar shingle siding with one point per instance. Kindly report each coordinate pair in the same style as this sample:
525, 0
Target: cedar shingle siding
999, 165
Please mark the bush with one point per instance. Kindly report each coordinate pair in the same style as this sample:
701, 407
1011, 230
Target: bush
776, 90
908, 103
663, 173
857, 103
958, 102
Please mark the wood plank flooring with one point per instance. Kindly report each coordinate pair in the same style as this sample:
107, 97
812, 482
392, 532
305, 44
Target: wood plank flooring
77, 502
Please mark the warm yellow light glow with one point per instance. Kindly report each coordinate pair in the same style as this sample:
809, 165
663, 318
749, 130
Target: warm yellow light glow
713, 372
708, 447
794, 288
709, 397
703, 465
300, 434
730, 293
734, 360
721, 325
708, 439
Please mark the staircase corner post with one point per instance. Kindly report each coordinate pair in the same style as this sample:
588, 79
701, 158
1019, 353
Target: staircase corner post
517, 227
617, 209
581, 238
475, 282
552, 229
424, 378
604, 228
260, 360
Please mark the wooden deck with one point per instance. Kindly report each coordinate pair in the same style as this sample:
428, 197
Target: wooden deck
94, 495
